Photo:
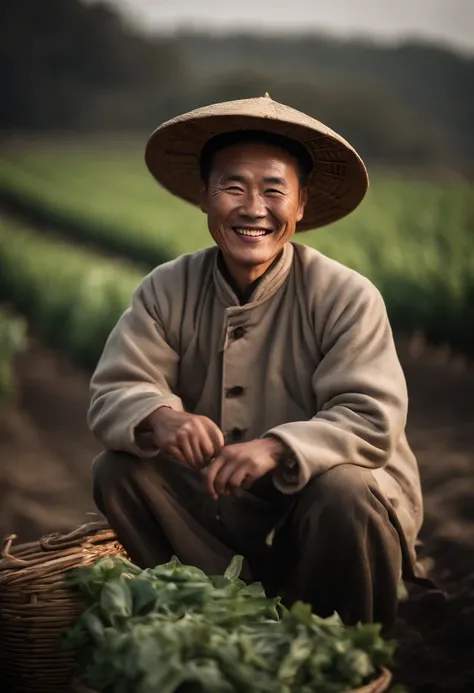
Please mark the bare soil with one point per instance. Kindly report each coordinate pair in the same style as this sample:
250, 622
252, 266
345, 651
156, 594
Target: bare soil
46, 453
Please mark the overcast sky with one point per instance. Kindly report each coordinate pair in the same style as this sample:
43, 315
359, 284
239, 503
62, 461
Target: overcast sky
450, 21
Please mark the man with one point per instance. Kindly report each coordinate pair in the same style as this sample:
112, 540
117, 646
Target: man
251, 399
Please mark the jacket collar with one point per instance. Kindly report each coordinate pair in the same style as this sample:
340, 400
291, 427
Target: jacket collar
262, 290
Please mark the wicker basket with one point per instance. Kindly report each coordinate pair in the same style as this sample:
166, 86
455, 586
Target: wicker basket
35, 605
378, 686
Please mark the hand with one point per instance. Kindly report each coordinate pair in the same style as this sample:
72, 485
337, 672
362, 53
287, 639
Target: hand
238, 466
189, 438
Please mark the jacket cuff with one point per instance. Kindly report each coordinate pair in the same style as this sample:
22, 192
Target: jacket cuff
290, 476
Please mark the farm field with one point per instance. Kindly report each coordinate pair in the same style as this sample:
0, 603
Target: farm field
414, 239
46, 453
71, 296
62, 267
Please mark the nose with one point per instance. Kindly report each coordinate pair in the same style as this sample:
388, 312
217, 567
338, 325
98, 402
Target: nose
253, 206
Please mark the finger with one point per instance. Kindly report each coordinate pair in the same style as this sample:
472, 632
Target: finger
176, 453
223, 476
198, 456
241, 478
212, 471
183, 443
207, 448
204, 449
217, 438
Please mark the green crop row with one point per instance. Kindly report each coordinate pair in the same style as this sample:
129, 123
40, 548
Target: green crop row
413, 239
71, 297
79, 213
103, 195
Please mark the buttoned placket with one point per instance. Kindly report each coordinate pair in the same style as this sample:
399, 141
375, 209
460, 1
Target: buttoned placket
235, 387
239, 321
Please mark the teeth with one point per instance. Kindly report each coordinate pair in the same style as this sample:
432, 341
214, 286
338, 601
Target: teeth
250, 232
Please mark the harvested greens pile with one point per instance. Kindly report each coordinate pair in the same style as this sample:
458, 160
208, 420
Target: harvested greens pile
173, 628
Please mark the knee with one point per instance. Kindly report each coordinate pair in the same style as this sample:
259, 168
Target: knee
341, 499
110, 468
119, 475
112, 473
342, 489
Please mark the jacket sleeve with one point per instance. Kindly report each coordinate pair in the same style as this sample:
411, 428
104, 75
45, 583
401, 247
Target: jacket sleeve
360, 391
136, 374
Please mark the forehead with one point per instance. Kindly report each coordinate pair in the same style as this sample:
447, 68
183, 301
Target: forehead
257, 156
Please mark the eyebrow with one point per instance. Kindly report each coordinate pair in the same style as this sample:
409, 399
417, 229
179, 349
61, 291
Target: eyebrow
275, 180
269, 180
235, 178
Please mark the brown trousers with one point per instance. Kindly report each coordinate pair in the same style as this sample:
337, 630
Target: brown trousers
336, 544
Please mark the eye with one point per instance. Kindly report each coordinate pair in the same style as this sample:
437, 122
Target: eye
273, 191
234, 188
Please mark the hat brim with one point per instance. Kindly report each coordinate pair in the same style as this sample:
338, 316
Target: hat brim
336, 185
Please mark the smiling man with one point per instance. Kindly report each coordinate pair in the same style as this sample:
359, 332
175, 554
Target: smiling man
251, 399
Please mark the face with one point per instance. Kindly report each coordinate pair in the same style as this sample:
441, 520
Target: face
253, 201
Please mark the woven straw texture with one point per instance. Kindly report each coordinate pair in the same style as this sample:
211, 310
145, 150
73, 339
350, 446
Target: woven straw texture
35, 605
336, 185
378, 686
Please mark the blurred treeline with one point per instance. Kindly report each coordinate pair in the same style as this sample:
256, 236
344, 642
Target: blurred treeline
66, 66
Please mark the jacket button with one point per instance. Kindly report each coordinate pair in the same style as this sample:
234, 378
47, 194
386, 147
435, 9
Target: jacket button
234, 391
237, 434
238, 333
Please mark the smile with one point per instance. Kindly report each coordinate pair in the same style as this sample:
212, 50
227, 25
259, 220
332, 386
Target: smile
253, 232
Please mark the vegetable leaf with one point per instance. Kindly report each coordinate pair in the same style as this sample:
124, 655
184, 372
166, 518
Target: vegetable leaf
173, 629
116, 600
234, 569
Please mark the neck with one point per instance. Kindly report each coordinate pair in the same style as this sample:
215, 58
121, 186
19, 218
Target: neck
245, 276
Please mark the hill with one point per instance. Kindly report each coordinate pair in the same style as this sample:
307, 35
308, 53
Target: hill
68, 66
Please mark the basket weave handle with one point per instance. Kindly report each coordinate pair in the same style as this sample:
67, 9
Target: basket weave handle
61, 541
86, 535
5, 552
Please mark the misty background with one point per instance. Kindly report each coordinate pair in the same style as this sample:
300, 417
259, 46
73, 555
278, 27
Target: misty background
397, 80
436, 20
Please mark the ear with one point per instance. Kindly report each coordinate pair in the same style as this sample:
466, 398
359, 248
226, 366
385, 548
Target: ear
302, 204
203, 201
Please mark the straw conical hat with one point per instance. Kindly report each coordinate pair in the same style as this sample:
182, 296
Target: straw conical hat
336, 185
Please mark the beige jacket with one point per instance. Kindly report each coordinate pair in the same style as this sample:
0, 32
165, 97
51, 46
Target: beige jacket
313, 351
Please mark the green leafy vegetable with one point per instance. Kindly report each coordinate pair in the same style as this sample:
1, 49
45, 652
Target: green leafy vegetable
174, 629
